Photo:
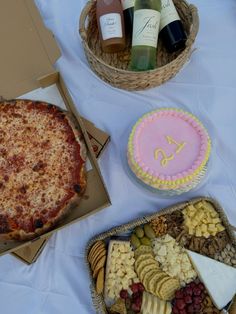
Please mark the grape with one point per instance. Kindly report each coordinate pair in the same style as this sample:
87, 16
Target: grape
124, 294
180, 304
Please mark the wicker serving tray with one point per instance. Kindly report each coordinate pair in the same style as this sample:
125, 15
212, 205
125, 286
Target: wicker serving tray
98, 300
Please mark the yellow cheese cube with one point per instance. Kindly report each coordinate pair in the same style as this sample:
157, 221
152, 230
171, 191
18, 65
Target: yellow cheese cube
198, 205
213, 233
216, 220
204, 228
220, 227
194, 223
191, 230
206, 234
191, 213
191, 208
198, 233
211, 227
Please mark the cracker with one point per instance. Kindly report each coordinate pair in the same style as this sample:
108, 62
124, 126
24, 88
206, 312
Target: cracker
159, 284
94, 247
100, 281
142, 249
148, 275
168, 288
143, 263
142, 257
153, 282
99, 265
147, 268
98, 254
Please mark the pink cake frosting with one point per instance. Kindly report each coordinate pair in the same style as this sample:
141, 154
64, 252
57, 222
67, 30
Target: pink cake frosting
168, 148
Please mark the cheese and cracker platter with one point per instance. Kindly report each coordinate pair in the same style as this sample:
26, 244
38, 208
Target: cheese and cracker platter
180, 260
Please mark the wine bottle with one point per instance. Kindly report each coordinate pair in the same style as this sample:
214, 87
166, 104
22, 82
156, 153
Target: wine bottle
171, 28
145, 34
128, 10
110, 22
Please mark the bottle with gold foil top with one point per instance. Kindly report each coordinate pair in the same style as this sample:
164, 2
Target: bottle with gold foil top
145, 34
110, 22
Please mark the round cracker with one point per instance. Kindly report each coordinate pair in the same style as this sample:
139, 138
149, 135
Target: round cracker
97, 255
100, 281
159, 283
142, 257
99, 265
146, 268
94, 247
143, 263
168, 288
142, 249
151, 285
148, 275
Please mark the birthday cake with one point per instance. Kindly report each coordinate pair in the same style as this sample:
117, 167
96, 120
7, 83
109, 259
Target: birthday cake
168, 149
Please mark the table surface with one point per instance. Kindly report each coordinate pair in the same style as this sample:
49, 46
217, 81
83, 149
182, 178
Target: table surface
58, 282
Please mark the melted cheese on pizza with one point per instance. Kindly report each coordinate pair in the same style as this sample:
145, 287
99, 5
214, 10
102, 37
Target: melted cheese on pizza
40, 164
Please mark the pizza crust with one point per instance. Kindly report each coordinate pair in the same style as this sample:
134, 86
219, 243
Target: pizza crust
79, 189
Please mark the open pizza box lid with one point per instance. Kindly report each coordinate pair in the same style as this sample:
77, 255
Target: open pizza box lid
28, 53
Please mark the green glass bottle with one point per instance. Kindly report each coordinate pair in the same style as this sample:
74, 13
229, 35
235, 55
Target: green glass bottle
145, 34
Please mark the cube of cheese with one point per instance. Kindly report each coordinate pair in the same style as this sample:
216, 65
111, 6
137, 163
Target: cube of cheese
220, 227
212, 227
198, 232
204, 228
206, 234
215, 220
191, 230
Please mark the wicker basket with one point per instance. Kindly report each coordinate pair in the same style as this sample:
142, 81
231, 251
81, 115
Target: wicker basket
112, 68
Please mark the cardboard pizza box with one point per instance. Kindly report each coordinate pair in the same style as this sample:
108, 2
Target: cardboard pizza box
28, 53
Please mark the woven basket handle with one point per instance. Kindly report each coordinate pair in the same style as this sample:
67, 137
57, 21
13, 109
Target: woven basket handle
195, 26
82, 19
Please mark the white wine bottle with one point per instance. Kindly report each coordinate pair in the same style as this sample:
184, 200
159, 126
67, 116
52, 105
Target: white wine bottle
145, 34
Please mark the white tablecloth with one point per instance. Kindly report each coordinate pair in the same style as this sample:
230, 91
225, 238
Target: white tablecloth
58, 282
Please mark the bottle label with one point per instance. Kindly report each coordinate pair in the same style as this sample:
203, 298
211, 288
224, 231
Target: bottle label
145, 28
111, 26
126, 4
168, 13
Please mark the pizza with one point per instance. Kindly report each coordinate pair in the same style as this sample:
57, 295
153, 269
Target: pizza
42, 167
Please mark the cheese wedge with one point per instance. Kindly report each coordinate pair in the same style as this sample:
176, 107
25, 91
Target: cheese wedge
218, 278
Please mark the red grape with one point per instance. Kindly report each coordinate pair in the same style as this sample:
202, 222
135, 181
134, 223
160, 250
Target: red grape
134, 287
188, 299
124, 294
179, 294
135, 308
201, 286
141, 287
180, 304
197, 300
175, 310
188, 291
197, 291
